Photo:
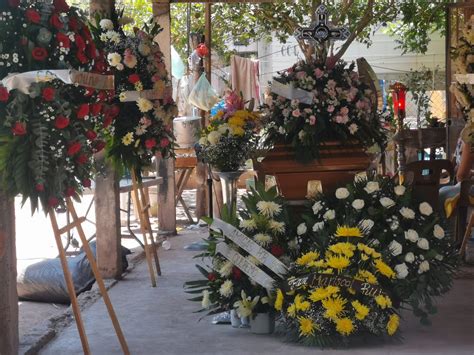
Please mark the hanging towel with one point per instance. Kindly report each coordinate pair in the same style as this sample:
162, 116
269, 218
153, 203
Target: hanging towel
245, 77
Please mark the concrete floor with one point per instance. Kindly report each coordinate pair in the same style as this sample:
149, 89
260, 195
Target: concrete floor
161, 320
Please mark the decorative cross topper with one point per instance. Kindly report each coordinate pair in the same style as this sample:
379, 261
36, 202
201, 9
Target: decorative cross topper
319, 30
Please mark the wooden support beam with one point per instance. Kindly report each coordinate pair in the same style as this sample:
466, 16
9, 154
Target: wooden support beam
107, 198
165, 167
8, 293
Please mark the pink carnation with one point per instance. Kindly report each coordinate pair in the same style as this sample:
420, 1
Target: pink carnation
312, 120
318, 73
296, 113
330, 108
301, 75
344, 111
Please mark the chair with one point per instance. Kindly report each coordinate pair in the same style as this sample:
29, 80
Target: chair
425, 177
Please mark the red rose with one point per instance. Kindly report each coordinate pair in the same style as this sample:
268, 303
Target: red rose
89, 92
48, 94
62, 38
96, 109
91, 135
70, 191
92, 50
86, 182
39, 53
150, 143
60, 6
211, 276
39, 187
56, 22
19, 128
53, 201
98, 146
133, 78
81, 57
14, 3
114, 110
164, 142
82, 159
100, 66
73, 24
236, 273
61, 122
102, 96
80, 44
83, 111
73, 148
107, 121
33, 16
277, 250
4, 95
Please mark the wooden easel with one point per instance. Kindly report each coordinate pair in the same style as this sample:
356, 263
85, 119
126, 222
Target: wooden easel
141, 206
77, 223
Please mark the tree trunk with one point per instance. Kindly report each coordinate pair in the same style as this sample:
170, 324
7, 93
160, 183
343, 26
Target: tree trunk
8, 293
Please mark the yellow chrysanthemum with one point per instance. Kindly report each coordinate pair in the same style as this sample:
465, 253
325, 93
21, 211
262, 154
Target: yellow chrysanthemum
383, 301
237, 131
393, 323
365, 248
346, 231
301, 304
323, 292
344, 326
307, 326
236, 121
279, 300
127, 139
361, 310
291, 310
334, 306
307, 258
384, 269
138, 86
367, 276
346, 249
376, 255
317, 263
364, 257
328, 271
338, 262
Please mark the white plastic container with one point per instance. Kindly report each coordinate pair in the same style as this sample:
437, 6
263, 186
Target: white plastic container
186, 131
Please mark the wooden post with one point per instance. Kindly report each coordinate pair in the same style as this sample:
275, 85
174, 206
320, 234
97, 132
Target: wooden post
8, 293
107, 198
165, 167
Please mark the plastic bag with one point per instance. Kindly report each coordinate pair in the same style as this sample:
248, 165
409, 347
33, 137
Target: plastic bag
203, 95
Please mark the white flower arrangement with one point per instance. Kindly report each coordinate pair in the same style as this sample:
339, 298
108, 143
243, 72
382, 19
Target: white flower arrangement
342, 193
226, 289
407, 213
425, 209
269, 209
358, 204
301, 229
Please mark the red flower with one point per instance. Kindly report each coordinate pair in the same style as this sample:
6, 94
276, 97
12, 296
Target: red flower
236, 273
113, 111
61, 6
98, 146
86, 182
107, 121
4, 95
55, 21
81, 57
100, 66
53, 201
80, 44
62, 38
91, 135
83, 111
39, 187
39, 53
89, 92
73, 148
150, 143
33, 16
23, 41
96, 109
14, 3
73, 24
92, 50
202, 50
82, 159
61, 122
101, 96
164, 142
133, 78
277, 250
19, 128
70, 191
211, 276
48, 94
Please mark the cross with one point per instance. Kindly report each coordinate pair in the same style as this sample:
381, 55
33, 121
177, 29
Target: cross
319, 30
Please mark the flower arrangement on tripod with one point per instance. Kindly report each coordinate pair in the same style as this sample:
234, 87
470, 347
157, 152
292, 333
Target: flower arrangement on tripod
48, 138
231, 137
44, 35
416, 250
265, 220
144, 125
328, 104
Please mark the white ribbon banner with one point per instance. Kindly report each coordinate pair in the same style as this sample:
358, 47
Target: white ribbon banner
22, 81
246, 266
249, 246
290, 92
146, 94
